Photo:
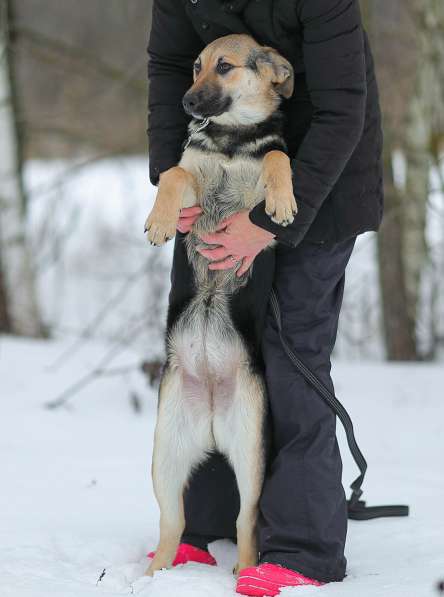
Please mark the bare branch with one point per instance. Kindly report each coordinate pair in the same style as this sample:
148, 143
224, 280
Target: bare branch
101, 315
100, 370
54, 50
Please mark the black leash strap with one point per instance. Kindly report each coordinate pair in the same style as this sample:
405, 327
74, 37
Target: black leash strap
357, 509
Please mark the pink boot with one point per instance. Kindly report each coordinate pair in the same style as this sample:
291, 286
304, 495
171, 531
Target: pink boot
269, 579
188, 553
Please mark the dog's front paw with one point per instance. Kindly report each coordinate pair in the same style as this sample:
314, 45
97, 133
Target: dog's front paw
280, 205
160, 229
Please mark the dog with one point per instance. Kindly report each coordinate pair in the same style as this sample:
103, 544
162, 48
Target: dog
211, 395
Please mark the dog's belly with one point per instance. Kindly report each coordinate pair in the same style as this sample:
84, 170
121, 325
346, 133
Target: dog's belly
204, 342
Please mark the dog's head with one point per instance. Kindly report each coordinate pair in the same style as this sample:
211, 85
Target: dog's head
238, 81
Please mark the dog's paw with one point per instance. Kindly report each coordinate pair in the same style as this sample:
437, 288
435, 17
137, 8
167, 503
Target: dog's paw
280, 206
160, 230
247, 563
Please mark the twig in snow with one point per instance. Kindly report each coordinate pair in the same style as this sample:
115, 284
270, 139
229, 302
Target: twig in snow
136, 403
153, 371
101, 576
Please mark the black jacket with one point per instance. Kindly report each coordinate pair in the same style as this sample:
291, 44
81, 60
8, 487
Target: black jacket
333, 129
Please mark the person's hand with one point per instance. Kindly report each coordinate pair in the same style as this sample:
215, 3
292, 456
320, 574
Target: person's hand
187, 217
238, 240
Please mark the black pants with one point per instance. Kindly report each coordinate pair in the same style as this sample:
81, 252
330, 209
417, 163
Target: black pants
303, 515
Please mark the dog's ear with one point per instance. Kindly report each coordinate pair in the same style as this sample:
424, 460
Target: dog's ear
282, 75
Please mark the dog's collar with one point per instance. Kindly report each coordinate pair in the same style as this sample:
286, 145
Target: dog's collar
248, 132
273, 124
205, 122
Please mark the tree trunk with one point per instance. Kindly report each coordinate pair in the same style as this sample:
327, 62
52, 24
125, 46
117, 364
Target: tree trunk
398, 323
431, 82
404, 48
5, 319
19, 313
415, 197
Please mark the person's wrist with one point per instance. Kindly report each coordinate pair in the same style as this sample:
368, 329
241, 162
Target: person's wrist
262, 232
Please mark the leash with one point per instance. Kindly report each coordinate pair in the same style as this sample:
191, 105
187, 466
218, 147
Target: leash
357, 508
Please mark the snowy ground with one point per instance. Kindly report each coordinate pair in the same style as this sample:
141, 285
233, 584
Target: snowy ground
76, 496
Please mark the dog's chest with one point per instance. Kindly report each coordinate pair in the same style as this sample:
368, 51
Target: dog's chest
225, 184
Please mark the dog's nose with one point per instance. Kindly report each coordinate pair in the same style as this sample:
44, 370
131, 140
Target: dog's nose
189, 102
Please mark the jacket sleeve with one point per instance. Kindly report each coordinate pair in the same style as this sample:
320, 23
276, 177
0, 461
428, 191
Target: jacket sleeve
334, 58
172, 48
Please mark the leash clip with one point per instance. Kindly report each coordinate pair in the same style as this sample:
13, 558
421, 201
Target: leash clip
205, 122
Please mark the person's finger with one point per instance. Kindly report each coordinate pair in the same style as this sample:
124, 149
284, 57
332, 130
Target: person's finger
185, 224
224, 223
246, 264
215, 254
227, 263
216, 238
188, 212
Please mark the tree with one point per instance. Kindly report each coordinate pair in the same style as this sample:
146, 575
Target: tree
409, 50
19, 312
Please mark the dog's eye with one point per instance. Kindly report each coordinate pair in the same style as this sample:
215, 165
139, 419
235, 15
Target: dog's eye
223, 67
197, 67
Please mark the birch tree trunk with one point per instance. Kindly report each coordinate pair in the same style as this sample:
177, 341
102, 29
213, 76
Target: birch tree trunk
433, 283
424, 125
19, 312
396, 53
407, 43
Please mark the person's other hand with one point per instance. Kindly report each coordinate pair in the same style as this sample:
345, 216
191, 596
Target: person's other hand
187, 217
238, 240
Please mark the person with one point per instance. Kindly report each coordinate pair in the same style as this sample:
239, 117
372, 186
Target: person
334, 138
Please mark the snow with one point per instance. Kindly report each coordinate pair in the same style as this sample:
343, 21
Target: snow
76, 496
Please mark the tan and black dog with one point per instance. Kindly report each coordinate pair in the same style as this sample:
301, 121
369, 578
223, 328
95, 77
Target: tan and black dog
212, 394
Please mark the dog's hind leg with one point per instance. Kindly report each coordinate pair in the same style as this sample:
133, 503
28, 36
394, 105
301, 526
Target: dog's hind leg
182, 440
238, 431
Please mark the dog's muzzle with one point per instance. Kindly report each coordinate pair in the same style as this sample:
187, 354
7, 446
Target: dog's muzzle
204, 103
